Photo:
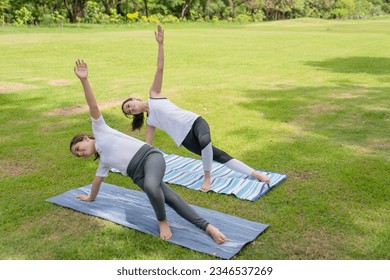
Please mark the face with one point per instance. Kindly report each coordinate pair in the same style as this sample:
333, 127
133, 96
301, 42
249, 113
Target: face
85, 148
133, 107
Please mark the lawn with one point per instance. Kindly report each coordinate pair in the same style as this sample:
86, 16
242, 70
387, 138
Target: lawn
309, 98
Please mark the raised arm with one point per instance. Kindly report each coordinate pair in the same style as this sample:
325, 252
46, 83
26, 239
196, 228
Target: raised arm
155, 89
81, 71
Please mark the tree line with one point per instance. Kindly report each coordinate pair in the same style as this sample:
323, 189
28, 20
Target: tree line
37, 12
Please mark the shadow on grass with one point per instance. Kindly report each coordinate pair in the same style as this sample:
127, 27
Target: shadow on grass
346, 114
330, 192
368, 65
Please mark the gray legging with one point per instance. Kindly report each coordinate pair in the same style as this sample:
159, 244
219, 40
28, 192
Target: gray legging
198, 141
199, 138
159, 193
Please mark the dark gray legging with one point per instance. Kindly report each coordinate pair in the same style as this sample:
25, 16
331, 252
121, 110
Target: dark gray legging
199, 137
159, 193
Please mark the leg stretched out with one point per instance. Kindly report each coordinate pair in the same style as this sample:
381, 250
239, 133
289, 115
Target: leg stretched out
198, 141
159, 193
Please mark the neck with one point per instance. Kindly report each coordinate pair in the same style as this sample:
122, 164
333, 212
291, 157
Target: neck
94, 145
146, 106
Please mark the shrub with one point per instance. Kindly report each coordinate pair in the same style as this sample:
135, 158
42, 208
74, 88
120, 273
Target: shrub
386, 8
242, 18
22, 17
339, 13
94, 13
170, 19
54, 18
114, 17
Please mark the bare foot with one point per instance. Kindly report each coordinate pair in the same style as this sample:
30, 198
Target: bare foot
205, 186
165, 231
206, 182
218, 236
262, 177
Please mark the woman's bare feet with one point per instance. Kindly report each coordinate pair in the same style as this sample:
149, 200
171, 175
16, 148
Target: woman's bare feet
262, 177
205, 186
206, 182
165, 231
218, 236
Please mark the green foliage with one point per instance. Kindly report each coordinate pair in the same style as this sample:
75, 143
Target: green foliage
23, 12
363, 8
94, 13
242, 18
386, 8
54, 19
114, 16
22, 17
169, 19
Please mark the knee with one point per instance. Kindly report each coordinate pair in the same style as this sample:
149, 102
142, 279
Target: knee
221, 156
151, 190
204, 140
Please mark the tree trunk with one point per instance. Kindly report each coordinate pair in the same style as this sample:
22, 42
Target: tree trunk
185, 8
146, 8
118, 8
71, 14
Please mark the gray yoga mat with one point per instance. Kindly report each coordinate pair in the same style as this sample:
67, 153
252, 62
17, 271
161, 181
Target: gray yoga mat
132, 209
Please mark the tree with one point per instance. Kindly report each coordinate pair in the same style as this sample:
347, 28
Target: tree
74, 9
278, 9
185, 8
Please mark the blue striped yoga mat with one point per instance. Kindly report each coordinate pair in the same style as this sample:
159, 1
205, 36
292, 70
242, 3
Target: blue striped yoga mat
188, 172
132, 209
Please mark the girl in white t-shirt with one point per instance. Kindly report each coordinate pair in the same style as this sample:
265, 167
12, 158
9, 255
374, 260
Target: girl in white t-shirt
186, 128
134, 158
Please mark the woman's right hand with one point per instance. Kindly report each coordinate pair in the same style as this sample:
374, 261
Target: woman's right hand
84, 197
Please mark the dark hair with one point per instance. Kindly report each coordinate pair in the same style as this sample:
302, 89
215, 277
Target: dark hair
138, 119
80, 137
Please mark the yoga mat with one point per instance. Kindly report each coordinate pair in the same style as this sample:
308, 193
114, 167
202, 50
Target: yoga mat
188, 172
132, 209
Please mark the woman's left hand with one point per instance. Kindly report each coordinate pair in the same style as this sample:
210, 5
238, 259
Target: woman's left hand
159, 34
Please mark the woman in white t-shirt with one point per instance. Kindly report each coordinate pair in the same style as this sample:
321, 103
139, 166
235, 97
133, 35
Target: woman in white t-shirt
134, 158
186, 128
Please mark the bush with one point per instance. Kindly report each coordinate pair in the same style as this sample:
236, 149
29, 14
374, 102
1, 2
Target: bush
242, 18
22, 17
93, 13
258, 16
54, 18
114, 17
339, 13
170, 19
386, 8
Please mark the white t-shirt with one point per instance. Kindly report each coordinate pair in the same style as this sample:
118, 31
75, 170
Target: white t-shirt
166, 116
115, 148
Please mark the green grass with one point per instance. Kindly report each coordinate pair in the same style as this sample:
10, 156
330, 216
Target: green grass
309, 98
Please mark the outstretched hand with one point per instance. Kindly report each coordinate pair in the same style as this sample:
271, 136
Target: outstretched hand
159, 34
81, 69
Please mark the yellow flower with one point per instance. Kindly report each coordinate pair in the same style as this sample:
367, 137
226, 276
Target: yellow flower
132, 16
